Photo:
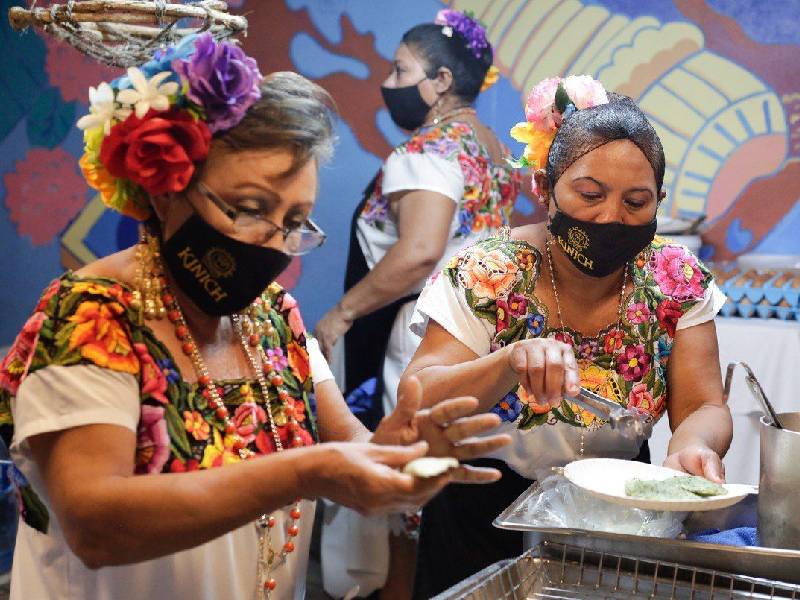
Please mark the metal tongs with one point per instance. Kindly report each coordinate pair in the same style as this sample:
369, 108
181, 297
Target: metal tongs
755, 389
629, 423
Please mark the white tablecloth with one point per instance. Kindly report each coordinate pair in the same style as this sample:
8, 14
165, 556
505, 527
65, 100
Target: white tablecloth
772, 349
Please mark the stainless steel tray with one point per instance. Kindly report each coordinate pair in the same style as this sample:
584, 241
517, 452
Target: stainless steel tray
559, 571
769, 563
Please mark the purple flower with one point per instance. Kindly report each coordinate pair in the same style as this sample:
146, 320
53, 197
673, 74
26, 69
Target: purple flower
464, 24
588, 349
277, 358
222, 79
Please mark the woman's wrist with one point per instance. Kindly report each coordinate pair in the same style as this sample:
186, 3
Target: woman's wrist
346, 313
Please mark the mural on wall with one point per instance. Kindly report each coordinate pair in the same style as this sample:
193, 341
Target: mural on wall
718, 78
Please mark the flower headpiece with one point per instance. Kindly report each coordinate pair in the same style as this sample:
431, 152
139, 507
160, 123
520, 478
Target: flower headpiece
146, 131
548, 104
473, 32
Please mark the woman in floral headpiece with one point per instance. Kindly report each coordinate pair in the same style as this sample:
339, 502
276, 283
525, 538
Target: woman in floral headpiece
139, 375
591, 298
447, 186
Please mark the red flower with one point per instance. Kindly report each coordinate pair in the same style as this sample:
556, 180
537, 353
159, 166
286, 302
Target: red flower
668, 313
613, 341
158, 151
15, 366
153, 382
178, 466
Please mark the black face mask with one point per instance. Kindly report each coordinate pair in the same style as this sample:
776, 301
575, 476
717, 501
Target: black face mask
406, 106
599, 249
220, 275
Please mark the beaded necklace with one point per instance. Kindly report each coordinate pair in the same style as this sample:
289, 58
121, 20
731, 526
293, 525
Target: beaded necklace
563, 328
250, 333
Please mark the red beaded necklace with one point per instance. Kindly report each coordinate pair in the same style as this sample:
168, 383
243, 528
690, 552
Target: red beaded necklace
250, 334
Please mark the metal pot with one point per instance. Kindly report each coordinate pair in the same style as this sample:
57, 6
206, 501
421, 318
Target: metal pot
779, 483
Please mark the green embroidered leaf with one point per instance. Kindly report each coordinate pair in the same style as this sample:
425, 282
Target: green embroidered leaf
526, 418
177, 430
68, 305
290, 381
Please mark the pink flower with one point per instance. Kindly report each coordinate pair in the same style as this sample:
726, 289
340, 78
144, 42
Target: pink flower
278, 358
473, 168
288, 302
247, 418
540, 106
296, 323
668, 313
154, 382
152, 440
44, 192
584, 91
633, 363
638, 313
15, 365
641, 399
677, 273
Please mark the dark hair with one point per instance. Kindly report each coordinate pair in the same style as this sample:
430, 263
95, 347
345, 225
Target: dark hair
292, 113
588, 129
439, 50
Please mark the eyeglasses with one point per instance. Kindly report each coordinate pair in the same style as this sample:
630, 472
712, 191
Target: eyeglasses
298, 240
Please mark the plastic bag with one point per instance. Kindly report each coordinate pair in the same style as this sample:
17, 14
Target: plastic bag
556, 502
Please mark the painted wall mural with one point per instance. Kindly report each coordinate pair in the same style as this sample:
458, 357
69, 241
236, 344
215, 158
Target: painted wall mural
720, 80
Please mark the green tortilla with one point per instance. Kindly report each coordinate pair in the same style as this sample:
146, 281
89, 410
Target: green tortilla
688, 487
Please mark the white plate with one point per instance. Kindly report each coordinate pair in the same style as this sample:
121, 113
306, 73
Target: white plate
606, 477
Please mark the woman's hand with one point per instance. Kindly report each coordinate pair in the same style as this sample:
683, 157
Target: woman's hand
699, 460
365, 477
546, 368
448, 428
333, 325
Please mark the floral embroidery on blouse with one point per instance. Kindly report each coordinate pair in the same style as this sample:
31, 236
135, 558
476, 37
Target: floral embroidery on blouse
91, 322
489, 190
497, 278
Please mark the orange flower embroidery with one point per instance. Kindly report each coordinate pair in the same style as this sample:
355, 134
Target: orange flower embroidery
101, 338
196, 425
298, 361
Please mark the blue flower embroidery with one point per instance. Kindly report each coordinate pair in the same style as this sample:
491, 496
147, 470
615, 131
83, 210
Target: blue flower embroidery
465, 218
509, 408
536, 324
169, 371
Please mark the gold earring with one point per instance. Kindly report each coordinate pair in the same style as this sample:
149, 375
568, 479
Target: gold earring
149, 278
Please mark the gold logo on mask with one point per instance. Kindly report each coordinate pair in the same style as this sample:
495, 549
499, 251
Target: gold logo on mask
202, 274
576, 241
577, 238
219, 263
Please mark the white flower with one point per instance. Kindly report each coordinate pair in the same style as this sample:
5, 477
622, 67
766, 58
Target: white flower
147, 94
102, 109
447, 30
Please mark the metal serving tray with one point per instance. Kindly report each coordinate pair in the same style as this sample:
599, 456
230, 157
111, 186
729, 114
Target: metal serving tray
559, 571
769, 563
